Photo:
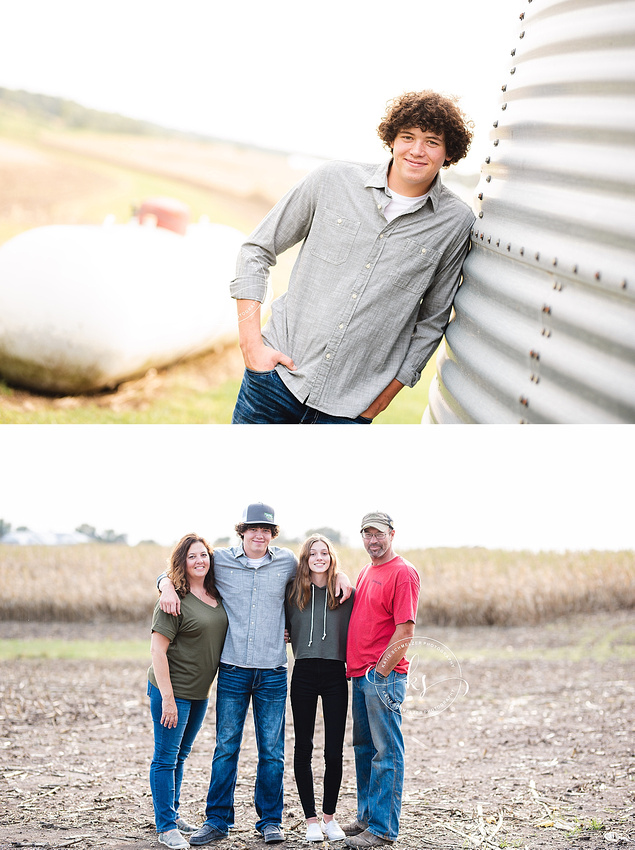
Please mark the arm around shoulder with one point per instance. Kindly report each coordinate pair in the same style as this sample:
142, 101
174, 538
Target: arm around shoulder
169, 601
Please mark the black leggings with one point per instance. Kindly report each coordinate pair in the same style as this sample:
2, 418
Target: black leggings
313, 677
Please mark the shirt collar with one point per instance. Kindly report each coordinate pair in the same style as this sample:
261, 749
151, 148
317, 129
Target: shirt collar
239, 553
379, 180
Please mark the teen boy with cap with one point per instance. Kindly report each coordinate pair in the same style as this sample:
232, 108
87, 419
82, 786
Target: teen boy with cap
371, 292
251, 579
380, 630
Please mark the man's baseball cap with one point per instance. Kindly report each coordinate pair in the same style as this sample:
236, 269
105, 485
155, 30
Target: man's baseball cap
259, 514
378, 520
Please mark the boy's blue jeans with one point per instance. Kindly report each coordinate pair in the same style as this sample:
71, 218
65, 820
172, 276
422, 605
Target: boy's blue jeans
264, 399
267, 690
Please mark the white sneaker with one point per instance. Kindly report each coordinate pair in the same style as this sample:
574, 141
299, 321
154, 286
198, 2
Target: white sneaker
313, 832
332, 830
173, 839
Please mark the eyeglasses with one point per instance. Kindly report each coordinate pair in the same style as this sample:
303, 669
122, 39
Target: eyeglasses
380, 535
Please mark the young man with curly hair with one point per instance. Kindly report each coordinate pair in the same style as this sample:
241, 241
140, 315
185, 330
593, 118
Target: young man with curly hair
371, 292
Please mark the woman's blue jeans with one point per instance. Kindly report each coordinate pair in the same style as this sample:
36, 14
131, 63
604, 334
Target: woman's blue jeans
267, 690
379, 751
171, 748
264, 399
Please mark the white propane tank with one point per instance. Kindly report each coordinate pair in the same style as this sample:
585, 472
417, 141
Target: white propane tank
85, 307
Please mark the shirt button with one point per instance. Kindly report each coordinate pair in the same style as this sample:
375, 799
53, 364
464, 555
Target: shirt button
354, 295
367, 265
381, 235
340, 326
423, 250
328, 356
378, 206
339, 221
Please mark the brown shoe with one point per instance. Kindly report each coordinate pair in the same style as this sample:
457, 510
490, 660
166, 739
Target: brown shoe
367, 839
354, 828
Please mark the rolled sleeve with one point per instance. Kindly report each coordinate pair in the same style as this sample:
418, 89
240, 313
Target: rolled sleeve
283, 227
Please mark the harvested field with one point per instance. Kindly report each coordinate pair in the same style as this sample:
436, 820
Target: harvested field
461, 586
538, 754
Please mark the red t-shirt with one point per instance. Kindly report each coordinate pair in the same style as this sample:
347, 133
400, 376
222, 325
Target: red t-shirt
385, 596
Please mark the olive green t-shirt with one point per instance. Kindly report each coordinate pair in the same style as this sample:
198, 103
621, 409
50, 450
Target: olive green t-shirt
196, 638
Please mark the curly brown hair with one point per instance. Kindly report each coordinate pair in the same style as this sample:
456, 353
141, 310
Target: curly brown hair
242, 527
430, 111
177, 563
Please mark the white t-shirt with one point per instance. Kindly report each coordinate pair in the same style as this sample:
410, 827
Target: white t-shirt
258, 562
400, 204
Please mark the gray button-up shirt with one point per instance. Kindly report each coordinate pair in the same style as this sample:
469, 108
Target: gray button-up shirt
368, 300
254, 601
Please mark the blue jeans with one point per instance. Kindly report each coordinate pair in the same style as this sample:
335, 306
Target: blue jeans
263, 399
379, 751
171, 748
267, 690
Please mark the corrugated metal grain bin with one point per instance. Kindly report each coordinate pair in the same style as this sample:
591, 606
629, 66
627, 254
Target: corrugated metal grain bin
544, 330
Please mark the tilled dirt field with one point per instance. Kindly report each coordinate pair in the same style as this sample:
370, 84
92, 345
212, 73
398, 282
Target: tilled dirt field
538, 754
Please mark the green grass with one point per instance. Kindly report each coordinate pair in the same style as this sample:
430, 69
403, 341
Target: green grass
182, 405
113, 650
186, 405
617, 644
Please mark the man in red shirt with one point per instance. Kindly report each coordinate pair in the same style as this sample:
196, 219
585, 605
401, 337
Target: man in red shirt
381, 627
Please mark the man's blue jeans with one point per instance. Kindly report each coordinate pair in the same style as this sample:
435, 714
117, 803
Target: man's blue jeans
379, 751
171, 748
264, 399
267, 690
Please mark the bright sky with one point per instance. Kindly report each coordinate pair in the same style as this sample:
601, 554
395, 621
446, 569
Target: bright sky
543, 488
305, 77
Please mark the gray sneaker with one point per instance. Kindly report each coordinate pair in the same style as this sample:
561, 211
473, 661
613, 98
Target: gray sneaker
366, 839
206, 834
272, 833
354, 828
185, 827
173, 839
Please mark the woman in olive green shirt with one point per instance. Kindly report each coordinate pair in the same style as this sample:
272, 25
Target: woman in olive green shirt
185, 653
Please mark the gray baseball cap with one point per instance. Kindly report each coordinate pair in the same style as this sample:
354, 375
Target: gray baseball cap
378, 520
259, 514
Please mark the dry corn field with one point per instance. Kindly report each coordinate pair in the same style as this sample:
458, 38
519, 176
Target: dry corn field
460, 587
535, 753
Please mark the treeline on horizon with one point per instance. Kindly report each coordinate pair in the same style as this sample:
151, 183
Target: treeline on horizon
459, 587
70, 115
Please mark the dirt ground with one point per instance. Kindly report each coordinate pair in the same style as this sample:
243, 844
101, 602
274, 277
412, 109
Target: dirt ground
538, 754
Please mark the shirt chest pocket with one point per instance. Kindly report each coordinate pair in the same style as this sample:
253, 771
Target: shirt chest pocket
415, 266
332, 236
